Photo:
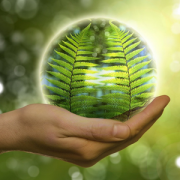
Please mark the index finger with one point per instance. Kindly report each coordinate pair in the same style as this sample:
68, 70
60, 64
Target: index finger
152, 112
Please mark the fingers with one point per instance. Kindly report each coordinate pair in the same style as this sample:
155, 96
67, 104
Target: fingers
95, 129
152, 112
107, 130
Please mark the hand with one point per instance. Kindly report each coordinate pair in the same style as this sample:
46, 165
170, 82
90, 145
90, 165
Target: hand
53, 131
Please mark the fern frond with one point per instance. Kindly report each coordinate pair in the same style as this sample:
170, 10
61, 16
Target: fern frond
84, 103
58, 91
138, 66
64, 64
83, 77
123, 46
82, 98
70, 46
141, 89
134, 53
61, 69
117, 87
117, 81
141, 81
116, 74
83, 90
137, 60
67, 50
59, 84
79, 64
113, 108
117, 96
129, 42
84, 71
115, 60
84, 52
60, 76
85, 58
119, 54
128, 49
120, 68
139, 74
66, 57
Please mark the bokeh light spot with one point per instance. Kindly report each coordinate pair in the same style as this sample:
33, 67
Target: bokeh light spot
33, 171
1, 88
178, 162
19, 70
175, 66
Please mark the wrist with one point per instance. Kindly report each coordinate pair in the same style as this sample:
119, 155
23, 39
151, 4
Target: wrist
10, 131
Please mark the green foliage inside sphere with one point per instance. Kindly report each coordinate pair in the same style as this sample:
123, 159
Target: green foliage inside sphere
99, 68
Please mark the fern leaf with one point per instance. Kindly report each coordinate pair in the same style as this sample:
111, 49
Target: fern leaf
84, 109
117, 81
82, 98
138, 66
72, 41
128, 49
120, 68
115, 48
134, 53
84, 103
66, 57
116, 101
117, 96
112, 43
126, 38
141, 89
113, 108
82, 83
115, 60
86, 47
85, 58
129, 42
139, 74
58, 91
70, 46
79, 64
124, 89
62, 63
119, 54
84, 52
116, 74
54, 97
83, 90
141, 81
59, 84
61, 70
75, 38
83, 77
141, 97
67, 50
60, 76
137, 60
84, 71
138, 104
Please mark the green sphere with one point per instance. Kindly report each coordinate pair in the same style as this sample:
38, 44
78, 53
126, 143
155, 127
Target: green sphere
99, 68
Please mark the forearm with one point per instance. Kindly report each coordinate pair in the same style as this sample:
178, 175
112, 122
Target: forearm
9, 131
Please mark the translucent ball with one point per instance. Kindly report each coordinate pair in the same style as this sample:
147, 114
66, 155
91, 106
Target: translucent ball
98, 68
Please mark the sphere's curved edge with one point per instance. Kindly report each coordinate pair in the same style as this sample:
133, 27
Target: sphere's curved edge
63, 27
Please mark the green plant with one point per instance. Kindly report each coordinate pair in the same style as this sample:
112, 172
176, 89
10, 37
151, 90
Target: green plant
128, 76
69, 79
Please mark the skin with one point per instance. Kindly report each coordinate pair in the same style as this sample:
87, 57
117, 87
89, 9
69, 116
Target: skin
53, 131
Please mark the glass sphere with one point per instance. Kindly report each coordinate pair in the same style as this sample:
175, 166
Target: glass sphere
98, 68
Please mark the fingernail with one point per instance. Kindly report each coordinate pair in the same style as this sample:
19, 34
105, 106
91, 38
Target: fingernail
121, 131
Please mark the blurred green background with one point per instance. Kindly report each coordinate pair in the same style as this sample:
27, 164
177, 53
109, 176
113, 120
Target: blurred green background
26, 27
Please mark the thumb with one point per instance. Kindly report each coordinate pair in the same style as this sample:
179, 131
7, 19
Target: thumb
95, 129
